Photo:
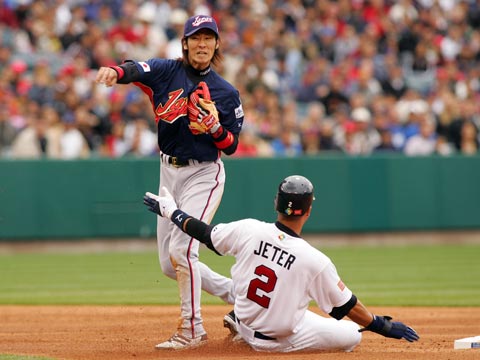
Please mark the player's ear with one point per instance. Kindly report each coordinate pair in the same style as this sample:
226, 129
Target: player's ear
184, 44
309, 211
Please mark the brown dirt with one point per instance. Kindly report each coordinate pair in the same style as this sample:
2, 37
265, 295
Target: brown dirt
130, 332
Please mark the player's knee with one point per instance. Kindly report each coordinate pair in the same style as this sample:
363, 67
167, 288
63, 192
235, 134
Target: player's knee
354, 336
180, 256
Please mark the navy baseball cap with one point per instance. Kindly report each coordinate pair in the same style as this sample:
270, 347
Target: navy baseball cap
197, 22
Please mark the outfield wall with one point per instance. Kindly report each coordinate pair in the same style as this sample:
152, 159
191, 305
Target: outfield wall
103, 197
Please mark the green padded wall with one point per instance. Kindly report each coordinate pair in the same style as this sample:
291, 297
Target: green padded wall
103, 197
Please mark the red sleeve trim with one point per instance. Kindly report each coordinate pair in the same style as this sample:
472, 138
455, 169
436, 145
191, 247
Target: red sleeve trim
225, 143
119, 71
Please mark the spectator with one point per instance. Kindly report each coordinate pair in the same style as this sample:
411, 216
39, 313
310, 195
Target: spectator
443, 147
362, 137
386, 142
174, 34
288, 144
152, 38
115, 144
343, 54
250, 145
395, 83
140, 139
41, 89
327, 141
72, 142
469, 140
334, 96
423, 143
34, 141
311, 142
7, 131
123, 34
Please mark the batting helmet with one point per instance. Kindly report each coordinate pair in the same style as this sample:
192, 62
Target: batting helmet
294, 196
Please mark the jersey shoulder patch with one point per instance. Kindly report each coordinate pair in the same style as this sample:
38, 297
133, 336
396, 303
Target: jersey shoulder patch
239, 112
145, 67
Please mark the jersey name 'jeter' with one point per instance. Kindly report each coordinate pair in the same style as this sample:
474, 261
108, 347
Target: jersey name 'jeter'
275, 254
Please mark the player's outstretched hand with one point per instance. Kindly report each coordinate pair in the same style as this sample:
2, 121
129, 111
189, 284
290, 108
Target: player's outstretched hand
393, 329
106, 75
163, 205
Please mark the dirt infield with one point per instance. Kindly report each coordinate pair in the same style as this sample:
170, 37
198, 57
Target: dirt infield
130, 332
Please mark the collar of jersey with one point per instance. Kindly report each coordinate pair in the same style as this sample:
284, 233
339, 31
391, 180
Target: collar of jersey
196, 72
286, 229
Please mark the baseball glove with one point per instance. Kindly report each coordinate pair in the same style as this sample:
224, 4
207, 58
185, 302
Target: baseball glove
202, 113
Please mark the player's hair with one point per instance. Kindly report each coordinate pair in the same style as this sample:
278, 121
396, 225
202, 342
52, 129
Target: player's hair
217, 55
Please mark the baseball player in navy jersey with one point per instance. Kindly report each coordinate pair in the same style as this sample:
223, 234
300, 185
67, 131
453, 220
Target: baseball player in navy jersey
277, 274
199, 116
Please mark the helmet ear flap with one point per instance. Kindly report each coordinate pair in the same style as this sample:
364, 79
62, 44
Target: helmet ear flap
282, 204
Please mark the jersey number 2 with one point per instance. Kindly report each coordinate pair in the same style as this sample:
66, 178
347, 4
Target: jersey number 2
266, 286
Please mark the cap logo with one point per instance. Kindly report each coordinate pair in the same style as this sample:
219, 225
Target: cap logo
199, 20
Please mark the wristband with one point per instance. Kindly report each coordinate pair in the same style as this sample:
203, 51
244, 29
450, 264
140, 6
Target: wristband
119, 71
180, 218
214, 130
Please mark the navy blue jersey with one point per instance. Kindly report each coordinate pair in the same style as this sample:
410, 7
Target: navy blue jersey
168, 84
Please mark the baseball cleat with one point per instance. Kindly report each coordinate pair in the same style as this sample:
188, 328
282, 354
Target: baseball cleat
230, 322
180, 342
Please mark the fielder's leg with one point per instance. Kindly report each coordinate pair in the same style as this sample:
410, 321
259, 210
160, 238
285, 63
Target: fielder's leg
212, 282
201, 196
216, 284
184, 256
164, 233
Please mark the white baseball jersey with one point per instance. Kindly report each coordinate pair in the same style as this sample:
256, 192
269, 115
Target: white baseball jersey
276, 275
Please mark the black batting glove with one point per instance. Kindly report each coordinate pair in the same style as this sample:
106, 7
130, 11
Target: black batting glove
152, 204
163, 204
393, 329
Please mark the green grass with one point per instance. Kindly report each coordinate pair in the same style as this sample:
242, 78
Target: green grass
95, 278
440, 275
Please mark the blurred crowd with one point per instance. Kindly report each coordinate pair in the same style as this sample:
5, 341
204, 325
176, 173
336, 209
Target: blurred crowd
315, 76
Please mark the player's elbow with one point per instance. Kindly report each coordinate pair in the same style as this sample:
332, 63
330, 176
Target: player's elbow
230, 150
341, 311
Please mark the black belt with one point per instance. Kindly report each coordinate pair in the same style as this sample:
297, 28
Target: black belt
175, 161
258, 334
